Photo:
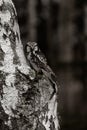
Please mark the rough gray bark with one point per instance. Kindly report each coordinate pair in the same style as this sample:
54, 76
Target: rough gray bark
28, 92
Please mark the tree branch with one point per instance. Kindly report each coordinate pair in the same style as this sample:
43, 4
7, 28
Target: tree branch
27, 98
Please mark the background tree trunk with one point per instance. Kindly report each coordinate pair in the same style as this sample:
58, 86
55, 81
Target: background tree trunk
26, 101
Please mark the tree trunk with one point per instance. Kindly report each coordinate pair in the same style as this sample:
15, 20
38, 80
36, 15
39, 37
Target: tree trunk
28, 99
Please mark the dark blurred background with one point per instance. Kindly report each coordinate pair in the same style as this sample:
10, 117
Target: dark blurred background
60, 28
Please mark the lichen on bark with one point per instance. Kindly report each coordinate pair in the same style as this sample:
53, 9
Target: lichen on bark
28, 100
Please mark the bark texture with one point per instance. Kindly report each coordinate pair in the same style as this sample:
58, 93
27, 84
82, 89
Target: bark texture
28, 91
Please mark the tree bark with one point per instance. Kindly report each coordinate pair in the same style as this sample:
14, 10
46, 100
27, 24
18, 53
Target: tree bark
28, 99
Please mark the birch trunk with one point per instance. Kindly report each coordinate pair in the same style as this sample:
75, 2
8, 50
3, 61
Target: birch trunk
24, 104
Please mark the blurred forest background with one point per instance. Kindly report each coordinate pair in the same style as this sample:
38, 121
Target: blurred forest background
60, 28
